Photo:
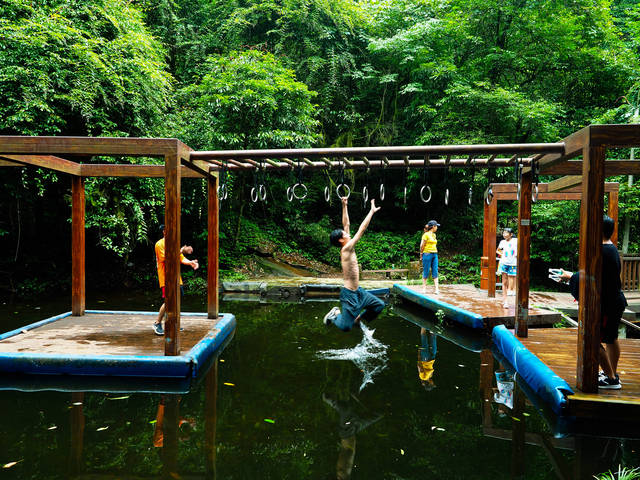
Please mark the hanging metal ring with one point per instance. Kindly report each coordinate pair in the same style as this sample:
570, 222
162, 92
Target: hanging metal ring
365, 194
289, 194
470, 200
428, 188
534, 194
518, 193
405, 196
263, 192
327, 193
222, 192
381, 191
446, 196
488, 195
345, 187
300, 195
254, 194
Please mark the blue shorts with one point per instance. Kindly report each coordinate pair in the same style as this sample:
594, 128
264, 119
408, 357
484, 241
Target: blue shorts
510, 270
352, 303
429, 262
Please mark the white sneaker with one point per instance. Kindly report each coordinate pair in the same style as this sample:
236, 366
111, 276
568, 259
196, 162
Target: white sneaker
329, 317
505, 305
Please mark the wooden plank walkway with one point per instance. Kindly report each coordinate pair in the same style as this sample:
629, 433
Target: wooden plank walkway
473, 300
557, 348
104, 334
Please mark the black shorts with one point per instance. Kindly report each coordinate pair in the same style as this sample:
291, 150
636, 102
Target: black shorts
609, 328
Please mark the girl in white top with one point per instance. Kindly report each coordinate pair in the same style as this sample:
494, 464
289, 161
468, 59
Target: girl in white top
508, 252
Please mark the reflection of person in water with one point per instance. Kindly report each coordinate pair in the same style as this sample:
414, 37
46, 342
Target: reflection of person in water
185, 424
426, 358
353, 419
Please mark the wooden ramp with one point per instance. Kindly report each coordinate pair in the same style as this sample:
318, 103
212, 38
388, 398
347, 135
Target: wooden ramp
469, 304
557, 348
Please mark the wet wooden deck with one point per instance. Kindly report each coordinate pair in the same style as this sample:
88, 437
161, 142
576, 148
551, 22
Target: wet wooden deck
104, 334
557, 348
474, 300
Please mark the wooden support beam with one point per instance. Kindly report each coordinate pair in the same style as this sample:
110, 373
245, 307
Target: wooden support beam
46, 161
612, 211
8, 163
590, 265
133, 171
211, 419
77, 246
108, 146
611, 168
563, 183
524, 246
172, 254
492, 221
212, 247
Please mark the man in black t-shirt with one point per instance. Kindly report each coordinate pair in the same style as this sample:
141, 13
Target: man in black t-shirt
612, 307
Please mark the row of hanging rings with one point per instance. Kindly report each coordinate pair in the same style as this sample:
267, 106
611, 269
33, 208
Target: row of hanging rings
259, 189
298, 190
222, 191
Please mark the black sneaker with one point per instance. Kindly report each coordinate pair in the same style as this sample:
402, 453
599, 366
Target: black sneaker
607, 383
157, 329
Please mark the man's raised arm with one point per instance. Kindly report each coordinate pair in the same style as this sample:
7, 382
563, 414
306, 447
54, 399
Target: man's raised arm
363, 225
345, 215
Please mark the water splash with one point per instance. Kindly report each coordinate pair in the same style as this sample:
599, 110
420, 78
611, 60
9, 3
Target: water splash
370, 355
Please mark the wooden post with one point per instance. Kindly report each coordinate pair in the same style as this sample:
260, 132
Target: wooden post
212, 248
518, 431
210, 420
612, 211
486, 386
77, 433
170, 435
492, 220
172, 254
590, 263
77, 246
524, 248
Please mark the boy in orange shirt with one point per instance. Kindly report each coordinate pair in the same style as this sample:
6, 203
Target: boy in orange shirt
157, 326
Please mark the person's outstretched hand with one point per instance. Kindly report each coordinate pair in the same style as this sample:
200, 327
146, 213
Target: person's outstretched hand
345, 200
194, 264
374, 209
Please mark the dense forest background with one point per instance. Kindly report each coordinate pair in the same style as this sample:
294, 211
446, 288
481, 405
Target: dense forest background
300, 73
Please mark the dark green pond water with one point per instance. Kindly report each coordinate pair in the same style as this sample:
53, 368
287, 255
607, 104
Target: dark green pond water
282, 412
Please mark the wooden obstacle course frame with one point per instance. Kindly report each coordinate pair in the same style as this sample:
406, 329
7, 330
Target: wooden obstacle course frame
557, 158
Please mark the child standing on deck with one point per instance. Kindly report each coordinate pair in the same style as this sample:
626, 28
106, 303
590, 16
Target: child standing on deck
508, 252
353, 298
429, 255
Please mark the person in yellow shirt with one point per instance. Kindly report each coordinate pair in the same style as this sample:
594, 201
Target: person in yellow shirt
429, 255
426, 358
159, 248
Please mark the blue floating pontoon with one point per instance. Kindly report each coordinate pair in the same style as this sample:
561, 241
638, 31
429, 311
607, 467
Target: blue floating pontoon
470, 319
551, 388
183, 366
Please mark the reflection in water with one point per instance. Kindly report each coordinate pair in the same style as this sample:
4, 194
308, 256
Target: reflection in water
426, 358
353, 417
170, 429
370, 355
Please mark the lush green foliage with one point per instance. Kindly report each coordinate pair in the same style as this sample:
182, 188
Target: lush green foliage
297, 73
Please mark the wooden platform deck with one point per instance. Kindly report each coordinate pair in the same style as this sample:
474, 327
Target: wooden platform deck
470, 299
557, 348
104, 334
114, 345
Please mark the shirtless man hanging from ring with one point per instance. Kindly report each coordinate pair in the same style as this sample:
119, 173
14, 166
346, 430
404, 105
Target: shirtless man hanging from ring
353, 298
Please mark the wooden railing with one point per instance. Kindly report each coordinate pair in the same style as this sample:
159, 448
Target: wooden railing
630, 274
